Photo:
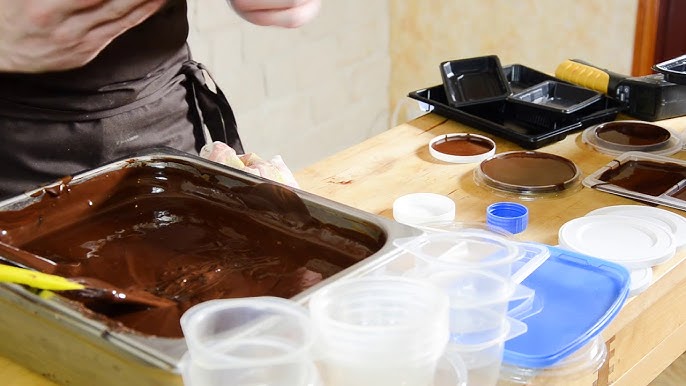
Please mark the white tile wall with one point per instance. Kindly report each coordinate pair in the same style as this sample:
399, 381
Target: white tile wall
304, 93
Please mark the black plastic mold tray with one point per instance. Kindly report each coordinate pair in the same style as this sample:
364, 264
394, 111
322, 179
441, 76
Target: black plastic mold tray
530, 129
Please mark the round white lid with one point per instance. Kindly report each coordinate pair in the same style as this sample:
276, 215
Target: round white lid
672, 222
471, 142
640, 280
630, 241
421, 208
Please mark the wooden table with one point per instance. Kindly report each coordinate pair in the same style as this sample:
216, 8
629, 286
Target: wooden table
650, 331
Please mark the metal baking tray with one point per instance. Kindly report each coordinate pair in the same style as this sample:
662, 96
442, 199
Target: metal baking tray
504, 119
53, 337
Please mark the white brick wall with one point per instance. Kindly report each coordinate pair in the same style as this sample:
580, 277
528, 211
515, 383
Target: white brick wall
304, 93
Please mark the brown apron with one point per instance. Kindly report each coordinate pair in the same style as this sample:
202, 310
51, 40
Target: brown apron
143, 90
41, 145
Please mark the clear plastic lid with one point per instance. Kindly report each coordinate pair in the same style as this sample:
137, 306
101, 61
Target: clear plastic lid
618, 137
529, 174
644, 177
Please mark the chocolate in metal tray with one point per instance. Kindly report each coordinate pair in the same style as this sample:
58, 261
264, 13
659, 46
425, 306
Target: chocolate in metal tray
72, 344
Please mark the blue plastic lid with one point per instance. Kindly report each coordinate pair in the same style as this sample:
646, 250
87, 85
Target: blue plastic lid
581, 295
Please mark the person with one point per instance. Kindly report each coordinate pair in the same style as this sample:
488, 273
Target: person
83, 82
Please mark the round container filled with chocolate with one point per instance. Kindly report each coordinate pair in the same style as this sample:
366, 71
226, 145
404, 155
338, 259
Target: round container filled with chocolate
529, 174
627, 135
461, 147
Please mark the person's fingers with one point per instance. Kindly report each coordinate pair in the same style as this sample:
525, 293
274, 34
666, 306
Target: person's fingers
101, 35
289, 17
114, 11
259, 5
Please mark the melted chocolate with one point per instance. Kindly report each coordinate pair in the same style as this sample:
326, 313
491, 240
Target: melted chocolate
463, 145
632, 133
647, 177
680, 194
530, 170
181, 236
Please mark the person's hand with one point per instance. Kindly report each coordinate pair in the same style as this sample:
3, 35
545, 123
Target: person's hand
280, 13
50, 35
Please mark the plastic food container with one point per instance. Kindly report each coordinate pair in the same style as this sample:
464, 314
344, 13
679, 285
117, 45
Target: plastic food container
644, 177
584, 363
249, 341
566, 283
461, 147
528, 174
474, 80
556, 96
522, 77
674, 69
618, 137
380, 331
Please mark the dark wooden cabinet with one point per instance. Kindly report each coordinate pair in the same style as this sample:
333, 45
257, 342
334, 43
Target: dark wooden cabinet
660, 33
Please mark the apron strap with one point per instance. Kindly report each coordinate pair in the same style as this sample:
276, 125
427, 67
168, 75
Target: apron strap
216, 116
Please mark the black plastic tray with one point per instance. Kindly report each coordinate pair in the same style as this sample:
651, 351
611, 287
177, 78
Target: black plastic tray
503, 119
556, 96
522, 77
674, 69
474, 80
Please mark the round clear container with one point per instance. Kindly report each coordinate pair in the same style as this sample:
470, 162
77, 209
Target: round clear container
618, 137
584, 363
529, 174
380, 330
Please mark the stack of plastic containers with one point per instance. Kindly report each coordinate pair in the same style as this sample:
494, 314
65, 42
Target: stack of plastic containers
563, 345
380, 331
475, 269
248, 341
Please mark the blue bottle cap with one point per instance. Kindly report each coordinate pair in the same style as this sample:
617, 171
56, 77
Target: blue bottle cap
511, 216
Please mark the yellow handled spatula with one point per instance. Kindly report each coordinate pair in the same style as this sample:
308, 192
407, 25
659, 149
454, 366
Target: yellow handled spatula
37, 279
89, 289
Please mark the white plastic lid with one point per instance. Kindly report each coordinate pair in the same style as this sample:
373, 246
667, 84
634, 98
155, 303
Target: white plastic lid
461, 147
422, 208
633, 242
672, 222
640, 280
